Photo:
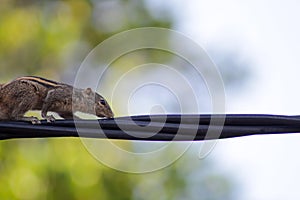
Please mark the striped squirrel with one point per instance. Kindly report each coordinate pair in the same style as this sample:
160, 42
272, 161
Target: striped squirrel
36, 93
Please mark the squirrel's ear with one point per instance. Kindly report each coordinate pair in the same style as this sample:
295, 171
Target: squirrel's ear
88, 91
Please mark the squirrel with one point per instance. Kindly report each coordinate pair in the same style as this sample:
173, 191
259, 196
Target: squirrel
36, 93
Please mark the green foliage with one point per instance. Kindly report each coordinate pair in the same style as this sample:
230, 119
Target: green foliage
57, 169
35, 35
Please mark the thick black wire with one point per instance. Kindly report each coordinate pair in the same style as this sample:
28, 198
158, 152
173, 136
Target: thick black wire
161, 128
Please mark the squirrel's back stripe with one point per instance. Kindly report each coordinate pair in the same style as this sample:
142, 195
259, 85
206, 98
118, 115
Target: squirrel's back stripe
40, 80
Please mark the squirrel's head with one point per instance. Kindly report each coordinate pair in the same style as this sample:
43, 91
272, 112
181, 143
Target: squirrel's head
96, 104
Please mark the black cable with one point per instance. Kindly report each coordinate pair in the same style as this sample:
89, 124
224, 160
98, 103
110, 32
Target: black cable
156, 127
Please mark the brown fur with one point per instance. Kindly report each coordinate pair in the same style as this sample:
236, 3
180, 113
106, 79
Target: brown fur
36, 93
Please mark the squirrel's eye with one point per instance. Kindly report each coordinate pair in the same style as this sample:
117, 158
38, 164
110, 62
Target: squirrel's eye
102, 101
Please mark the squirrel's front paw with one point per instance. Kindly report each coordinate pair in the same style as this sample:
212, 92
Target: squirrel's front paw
50, 118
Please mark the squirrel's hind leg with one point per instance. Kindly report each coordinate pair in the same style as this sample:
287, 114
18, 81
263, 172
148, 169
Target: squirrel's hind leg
33, 120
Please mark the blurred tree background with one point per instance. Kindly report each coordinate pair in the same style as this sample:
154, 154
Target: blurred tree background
50, 39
